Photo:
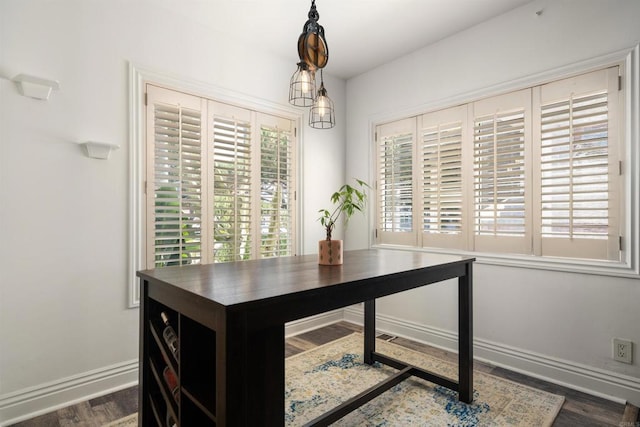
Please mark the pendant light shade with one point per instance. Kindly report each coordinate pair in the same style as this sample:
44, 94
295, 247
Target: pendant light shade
322, 114
302, 88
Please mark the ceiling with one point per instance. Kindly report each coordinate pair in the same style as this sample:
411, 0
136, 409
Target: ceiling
361, 34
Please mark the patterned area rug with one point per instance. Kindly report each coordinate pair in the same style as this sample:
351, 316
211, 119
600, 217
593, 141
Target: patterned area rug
322, 378
129, 421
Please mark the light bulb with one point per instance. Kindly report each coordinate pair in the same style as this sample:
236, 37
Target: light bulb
305, 81
322, 106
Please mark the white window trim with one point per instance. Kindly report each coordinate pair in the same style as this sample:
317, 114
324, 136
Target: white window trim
629, 266
138, 77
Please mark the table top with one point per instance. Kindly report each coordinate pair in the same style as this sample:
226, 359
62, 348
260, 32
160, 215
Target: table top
249, 281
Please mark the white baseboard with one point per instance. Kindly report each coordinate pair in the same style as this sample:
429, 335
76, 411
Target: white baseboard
33, 401
598, 382
314, 322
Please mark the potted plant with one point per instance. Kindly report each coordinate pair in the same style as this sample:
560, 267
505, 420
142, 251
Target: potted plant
347, 200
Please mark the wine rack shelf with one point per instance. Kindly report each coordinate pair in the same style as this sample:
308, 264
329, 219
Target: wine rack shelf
178, 389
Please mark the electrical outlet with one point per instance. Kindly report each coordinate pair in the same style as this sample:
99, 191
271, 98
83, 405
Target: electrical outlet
622, 350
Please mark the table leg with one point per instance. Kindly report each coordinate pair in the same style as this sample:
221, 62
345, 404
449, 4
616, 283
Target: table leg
465, 336
145, 377
255, 377
267, 365
369, 330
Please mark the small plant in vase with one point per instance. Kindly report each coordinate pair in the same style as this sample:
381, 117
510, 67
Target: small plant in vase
347, 200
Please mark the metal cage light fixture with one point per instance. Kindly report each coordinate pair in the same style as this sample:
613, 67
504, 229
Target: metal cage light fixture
302, 89
322, 114
314, 54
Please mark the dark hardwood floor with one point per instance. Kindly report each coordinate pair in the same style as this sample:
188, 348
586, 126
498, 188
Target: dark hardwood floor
579, 409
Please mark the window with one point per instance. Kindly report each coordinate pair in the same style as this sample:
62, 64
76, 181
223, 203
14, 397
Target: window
277, 191
220, 181
232, 183
174, 179
579, 173
531, 172
501, 143
444, 222
395, 182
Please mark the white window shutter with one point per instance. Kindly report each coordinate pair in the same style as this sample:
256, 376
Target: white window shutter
277, 187
443, 178
578, 210
395, 148
232, 187
220, 181
533, 172
501, 141
174, 178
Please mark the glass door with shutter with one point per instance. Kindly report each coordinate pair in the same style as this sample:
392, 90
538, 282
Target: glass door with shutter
231, 198
220, 181
175, 178
277, 187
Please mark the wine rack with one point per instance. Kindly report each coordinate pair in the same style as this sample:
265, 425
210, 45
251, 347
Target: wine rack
178, 390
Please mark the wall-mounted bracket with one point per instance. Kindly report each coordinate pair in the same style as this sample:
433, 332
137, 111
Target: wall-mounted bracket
99, 150
35, 87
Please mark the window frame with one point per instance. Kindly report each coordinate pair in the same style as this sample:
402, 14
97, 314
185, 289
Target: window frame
139, 77
629, 265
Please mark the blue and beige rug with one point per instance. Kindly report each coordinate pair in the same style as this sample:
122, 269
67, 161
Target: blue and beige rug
324, 377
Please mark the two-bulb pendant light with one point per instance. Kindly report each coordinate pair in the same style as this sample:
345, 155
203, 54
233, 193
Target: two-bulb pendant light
314, 54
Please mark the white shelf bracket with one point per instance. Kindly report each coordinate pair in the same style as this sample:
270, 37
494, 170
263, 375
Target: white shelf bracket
35, 87
99, 150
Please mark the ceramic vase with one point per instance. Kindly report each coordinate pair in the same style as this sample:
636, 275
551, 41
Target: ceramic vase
330, 252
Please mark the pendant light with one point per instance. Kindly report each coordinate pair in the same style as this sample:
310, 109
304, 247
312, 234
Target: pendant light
302, 89
314, 54
322, 114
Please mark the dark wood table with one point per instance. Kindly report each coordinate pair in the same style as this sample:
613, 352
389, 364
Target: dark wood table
248, 303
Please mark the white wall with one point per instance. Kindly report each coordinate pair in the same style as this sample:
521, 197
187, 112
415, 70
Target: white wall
546, 318
65, 331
